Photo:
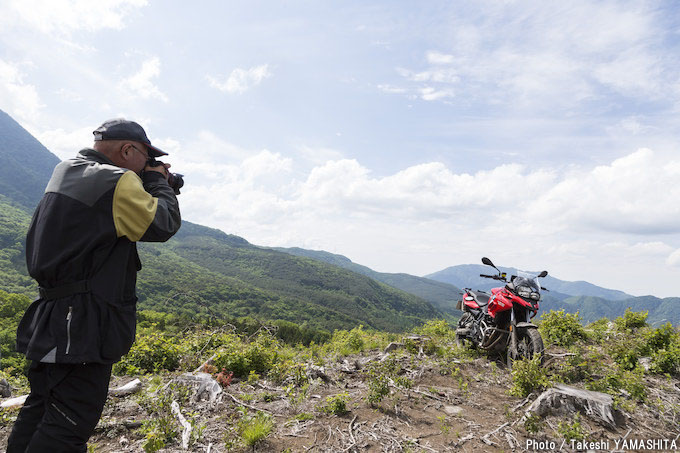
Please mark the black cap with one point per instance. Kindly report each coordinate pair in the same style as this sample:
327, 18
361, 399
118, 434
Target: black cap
122, 129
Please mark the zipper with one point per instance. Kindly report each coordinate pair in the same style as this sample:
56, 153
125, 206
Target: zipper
69, 316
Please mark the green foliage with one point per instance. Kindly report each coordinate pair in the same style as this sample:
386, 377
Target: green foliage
585, 363
562, 329
336, 405
528, 376
572, 431
437, 329
254, 429
357, 340
533, 423
242, 358
378, 375
150, 353
12, 308
631, 320
598, 331
667, 360
617, 379
161, 428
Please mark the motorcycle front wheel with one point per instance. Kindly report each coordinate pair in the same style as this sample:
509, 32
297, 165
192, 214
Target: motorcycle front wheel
529, 345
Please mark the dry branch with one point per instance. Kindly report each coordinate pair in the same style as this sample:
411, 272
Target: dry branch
186, 432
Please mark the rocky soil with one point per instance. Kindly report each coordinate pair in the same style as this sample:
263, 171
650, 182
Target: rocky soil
393, 402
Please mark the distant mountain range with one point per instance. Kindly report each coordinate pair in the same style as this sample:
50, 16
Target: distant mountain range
206, 272
467, 276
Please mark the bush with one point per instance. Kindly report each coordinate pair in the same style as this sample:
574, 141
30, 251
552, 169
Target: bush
626, 352
439, 329
598, 331
631, 320
666, 361
241, 358
581, 366
149, 354
661, 338
562, 329
572, 431
336, 404
527, 376
617, 379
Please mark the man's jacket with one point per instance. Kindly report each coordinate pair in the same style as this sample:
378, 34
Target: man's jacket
81, 249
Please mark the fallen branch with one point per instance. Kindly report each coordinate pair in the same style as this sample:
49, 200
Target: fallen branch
14, 402
127, 389
485, 438
186, 432
238, 401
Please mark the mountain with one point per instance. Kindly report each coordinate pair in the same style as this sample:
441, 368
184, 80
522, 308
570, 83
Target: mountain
206, 272
441, 295
467, 276
25, 164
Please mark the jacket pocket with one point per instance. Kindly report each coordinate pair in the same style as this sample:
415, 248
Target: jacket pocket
119, 330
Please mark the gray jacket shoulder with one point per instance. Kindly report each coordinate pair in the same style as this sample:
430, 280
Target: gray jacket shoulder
85, 178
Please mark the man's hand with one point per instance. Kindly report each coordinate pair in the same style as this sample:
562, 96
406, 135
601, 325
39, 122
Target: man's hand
162, 169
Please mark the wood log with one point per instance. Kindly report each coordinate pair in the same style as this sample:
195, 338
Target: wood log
14, 402
127, 389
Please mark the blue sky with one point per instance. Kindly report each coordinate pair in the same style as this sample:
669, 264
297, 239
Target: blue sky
408, 136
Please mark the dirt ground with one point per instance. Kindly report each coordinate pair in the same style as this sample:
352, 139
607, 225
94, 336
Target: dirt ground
455, 405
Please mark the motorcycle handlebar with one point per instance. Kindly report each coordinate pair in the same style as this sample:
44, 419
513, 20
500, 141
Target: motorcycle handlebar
486, 276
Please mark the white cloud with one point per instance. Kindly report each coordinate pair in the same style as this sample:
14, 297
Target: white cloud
241, 80
426, 216
66, 144
18, 97
141, 84
65, 16
548, 56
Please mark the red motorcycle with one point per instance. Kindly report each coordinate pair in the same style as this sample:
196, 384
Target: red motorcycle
501, 321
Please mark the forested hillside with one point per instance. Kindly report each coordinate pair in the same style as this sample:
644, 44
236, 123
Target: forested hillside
25, 164
442, 295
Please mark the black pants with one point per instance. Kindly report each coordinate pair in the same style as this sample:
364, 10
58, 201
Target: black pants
62, 409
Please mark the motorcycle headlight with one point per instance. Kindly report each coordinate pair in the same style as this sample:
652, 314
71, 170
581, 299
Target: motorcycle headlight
535, 296
523, 291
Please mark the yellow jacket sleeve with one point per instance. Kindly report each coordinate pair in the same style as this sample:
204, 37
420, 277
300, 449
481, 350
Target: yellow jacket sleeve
134, 208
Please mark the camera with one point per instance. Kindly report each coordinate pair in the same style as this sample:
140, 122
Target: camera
175, 180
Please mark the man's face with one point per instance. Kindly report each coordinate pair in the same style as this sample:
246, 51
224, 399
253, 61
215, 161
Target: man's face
135, 156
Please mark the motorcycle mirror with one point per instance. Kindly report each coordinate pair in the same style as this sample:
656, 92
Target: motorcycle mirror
487, 261
543, 274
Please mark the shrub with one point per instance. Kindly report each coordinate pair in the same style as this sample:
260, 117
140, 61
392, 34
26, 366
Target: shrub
626, 352
598, 331
527, 376
661, 338
241, 358
617, 379
572, 431
580, 366
437, 328
149, 354
666, 360
631, 320
336, 404
562, 329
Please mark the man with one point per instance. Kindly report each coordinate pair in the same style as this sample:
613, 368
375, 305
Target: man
81, 249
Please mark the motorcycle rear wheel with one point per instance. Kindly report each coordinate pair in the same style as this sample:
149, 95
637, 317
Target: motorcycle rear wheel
529, 345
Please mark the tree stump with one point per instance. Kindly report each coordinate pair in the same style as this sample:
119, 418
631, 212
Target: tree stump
566, 400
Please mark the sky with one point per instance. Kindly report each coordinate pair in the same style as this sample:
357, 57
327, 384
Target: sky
407, 136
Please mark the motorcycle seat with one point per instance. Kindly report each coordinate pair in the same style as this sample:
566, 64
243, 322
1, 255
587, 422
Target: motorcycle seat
481, 297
